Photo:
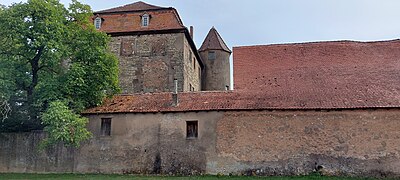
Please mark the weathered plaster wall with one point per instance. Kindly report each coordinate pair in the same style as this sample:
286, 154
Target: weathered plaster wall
217, 72
19, 152
359, 142
297, 142
149, 143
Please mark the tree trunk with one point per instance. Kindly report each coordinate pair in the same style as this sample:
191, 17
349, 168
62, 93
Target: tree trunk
33, 113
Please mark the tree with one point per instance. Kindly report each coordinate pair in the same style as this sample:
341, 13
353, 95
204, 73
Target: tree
52, 54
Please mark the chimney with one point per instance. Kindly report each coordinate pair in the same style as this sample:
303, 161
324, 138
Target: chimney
191, 31
175, 100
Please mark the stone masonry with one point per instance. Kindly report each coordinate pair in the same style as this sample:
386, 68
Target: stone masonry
151, 62
291, 142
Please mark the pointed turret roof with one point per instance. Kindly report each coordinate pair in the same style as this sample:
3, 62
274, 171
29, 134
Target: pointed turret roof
137, 6
214, 41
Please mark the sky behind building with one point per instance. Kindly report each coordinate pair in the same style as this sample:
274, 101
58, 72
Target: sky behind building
280, 21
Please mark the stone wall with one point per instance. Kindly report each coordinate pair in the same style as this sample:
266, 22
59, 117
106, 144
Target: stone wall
150, 63
348, 142
192, 70
20, 152
217, 72
363, 142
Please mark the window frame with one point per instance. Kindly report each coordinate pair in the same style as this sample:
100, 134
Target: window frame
212, 57
145, 20
195, 125
105, 127
98, 22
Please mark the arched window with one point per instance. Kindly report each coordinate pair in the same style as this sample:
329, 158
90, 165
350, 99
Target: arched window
145, 20
97, 22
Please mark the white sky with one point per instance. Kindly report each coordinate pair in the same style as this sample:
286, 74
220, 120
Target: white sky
280, 21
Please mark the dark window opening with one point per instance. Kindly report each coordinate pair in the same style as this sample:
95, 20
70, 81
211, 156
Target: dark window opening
191, 129
106, 126
211, 55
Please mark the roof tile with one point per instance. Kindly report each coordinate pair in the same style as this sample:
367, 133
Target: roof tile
137, 6
323, 75
213, 41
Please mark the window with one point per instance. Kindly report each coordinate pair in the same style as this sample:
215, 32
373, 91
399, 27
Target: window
191, 129
211, 55
145, 20
97, 23
106, 126
199, 75
194, 63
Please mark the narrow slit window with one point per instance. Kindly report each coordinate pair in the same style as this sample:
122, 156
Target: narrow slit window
145, 20
192, 129
97, 23
211, 55
106, 126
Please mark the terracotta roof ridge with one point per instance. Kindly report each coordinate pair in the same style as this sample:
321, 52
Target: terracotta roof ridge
319, 42
162, 93
222, 42
136, 6
214, 41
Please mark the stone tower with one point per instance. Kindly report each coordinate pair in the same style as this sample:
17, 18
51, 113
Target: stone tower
153, 46
215, 55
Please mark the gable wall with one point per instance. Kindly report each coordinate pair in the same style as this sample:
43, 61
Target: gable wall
131, 21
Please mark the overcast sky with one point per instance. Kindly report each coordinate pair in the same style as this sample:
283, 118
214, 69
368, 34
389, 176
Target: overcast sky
254, 22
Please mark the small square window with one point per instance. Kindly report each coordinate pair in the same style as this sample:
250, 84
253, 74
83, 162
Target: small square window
106, 126
191, 129
211, 55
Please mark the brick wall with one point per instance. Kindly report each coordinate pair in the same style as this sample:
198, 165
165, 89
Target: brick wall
131, 21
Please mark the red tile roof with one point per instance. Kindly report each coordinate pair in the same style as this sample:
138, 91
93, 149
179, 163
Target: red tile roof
322, 74
213, 41
137, 6
229, 100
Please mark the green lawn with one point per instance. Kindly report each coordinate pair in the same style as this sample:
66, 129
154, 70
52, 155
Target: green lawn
100, 177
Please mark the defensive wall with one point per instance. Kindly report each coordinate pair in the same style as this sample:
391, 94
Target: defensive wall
290, 142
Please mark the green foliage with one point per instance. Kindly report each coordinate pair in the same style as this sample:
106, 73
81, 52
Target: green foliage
63, 125
49, 53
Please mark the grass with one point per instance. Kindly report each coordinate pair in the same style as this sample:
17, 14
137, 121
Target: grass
122, 177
